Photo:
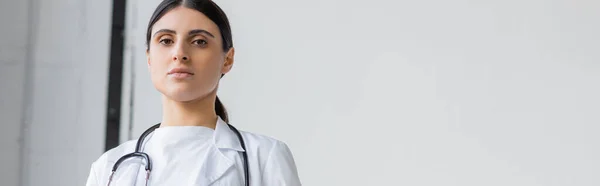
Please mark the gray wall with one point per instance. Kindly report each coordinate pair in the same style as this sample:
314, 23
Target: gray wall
435, 92
365, 93
13, 57
53, 74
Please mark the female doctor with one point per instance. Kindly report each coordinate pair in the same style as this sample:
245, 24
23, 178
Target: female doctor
189, 48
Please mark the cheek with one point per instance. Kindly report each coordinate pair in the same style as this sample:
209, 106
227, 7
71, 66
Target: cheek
158, 60
158, 67
209, 65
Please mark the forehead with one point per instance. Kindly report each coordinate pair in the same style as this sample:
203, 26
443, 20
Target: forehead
183, 19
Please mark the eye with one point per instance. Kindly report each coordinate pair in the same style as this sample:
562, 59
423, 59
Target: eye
200, 42
166, 41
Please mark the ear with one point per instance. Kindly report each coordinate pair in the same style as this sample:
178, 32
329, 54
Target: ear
148, 57
229, 59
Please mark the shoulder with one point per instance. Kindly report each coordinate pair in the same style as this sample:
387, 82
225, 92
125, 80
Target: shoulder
260, 139
264, 144
115, 153
102, 166
105, 161
275, 159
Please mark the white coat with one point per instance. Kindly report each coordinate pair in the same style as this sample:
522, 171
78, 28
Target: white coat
270, 163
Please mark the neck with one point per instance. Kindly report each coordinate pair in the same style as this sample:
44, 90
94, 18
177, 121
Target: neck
199, 112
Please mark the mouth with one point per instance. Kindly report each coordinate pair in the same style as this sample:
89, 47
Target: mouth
180, 73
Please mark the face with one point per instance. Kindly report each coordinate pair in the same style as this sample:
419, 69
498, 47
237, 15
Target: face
185, 55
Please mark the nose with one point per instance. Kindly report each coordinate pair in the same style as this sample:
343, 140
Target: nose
180, 54
182, 57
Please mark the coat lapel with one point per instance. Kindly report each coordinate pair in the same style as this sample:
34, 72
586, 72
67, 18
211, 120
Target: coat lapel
214, 166
219, 158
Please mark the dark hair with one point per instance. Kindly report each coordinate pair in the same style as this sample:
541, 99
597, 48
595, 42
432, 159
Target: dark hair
214, 13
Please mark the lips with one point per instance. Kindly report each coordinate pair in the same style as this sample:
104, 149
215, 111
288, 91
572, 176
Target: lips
180, 70
180, 73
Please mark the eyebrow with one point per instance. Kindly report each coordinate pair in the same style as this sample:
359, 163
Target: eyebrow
192, 32
199, 31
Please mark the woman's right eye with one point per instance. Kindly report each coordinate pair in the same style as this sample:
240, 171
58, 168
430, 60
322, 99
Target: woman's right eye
166, 41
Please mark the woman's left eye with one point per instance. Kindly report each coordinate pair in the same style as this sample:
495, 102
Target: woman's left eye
200, 42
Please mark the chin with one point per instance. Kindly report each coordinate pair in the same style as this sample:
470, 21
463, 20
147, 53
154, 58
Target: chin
183, 92
183, 95
179, 98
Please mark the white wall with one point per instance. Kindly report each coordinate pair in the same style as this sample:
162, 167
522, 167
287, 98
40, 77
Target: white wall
54, 66
411, 92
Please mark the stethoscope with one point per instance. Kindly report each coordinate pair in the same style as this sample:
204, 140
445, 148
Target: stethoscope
138, 153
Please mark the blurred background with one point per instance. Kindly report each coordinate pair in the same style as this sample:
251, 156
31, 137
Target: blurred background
434, 92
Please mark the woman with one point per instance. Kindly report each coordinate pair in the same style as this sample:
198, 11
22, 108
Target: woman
189, 48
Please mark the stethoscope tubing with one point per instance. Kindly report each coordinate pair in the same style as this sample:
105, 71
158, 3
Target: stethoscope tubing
138, 153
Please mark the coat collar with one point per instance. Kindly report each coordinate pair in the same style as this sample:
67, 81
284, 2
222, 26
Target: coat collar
220, 159
225, 138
